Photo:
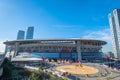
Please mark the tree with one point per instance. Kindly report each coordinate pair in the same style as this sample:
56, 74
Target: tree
7, 68
65, 79
34, 77
40, 68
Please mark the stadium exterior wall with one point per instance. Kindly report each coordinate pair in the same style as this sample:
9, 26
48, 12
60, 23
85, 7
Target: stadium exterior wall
82, 49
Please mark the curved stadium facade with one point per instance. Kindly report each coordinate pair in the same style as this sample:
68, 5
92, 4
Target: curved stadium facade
81, 49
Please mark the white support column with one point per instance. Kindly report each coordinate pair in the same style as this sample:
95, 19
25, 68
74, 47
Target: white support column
6, 48
16, 48
79, 50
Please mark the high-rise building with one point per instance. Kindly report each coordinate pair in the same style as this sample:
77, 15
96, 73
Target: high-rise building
114, 21
20, 35
30, 32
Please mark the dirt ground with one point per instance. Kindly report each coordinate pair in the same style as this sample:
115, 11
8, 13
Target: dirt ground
73, 69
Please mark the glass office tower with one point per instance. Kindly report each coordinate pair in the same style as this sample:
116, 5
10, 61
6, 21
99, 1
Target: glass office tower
30, 32
20, 35
114, 21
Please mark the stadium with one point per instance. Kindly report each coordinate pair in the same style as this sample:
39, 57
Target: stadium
71, 48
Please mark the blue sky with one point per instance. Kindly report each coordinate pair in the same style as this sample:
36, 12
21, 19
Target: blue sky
57, 19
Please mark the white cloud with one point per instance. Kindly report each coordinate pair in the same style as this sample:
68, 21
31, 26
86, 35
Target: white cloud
2, 46
104, 35
100, 34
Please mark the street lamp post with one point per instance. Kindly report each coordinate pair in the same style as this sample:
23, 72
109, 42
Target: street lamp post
76, 71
